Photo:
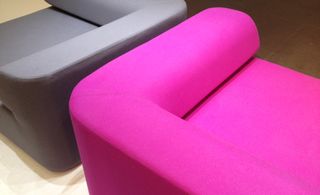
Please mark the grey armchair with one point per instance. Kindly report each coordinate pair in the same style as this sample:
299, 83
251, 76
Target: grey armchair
43, 55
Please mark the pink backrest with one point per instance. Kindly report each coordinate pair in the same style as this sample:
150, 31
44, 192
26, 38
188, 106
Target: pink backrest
215, 44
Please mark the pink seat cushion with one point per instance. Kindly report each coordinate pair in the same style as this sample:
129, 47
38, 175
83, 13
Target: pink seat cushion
272, 113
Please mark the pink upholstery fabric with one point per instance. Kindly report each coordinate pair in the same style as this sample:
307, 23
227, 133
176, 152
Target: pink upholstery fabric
273, 114
132, 139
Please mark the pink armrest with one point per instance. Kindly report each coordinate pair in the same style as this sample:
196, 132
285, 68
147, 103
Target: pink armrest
180, 67
127, 115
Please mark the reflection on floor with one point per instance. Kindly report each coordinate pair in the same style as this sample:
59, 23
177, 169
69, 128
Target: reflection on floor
19, 174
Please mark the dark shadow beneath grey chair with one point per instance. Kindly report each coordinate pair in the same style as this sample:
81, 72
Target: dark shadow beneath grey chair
44, 55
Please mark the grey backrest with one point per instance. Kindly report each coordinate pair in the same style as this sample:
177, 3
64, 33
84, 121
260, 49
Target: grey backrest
100, 11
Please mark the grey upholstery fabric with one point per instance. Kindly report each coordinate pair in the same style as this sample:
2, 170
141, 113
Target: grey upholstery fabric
35, 32
35, 86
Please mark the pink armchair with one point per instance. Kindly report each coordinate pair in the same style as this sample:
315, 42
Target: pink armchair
193, 112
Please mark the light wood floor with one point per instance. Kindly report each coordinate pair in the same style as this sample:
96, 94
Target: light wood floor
10, 9
19, 174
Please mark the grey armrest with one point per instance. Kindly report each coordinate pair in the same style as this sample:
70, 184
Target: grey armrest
35, 89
